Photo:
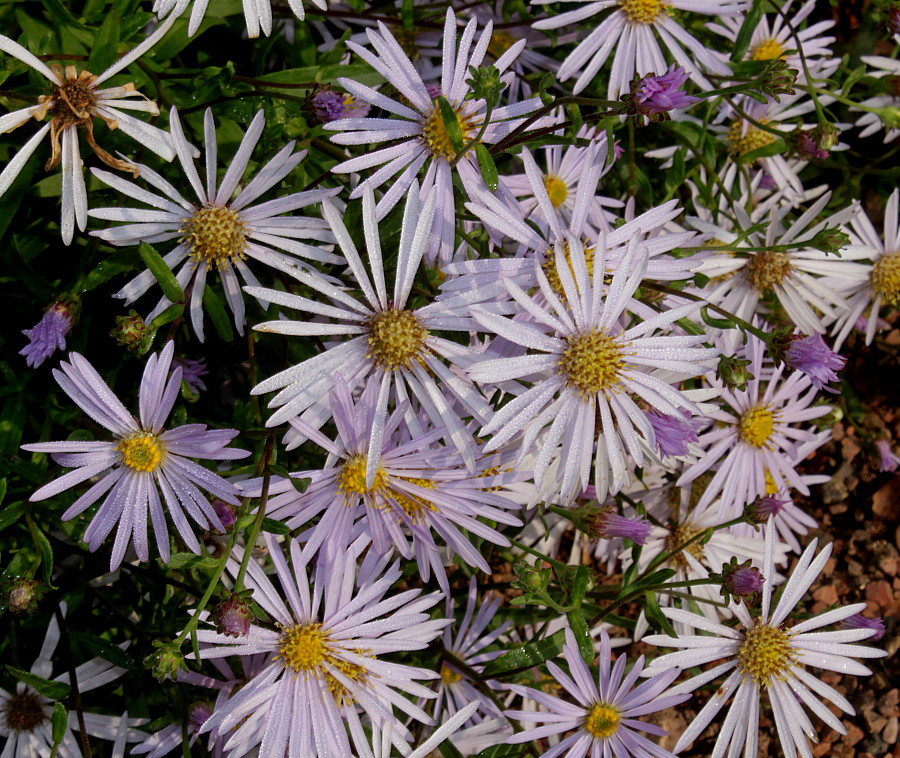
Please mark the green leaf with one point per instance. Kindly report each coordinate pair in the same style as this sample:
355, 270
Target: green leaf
216, 310
655, 616
106, 43
59, 722
574, 114
775, 148
171, 313
191, 561
448, 750
107, 269
488, 169
582, 636
527, 656
104, 649
52, 690
718, 323
501, 751
690, 326
451, 124
162, 273
745, 34
272, 526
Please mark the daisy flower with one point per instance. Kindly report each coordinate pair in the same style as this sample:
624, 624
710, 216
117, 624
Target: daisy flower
629, 30
25, 714
882, 285
73, 103
605, 722
143, 459
222, 228
766, 655
257, 13
422, 138
389, 344
588, 370
871, 122
324, 661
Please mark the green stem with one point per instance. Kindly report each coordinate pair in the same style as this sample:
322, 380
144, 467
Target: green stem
260, 512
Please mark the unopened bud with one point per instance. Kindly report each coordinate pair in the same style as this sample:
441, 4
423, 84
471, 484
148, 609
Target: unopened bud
733, 372
131, 331
778, 79
166, 661
825, 135
741, 581
831, 239
23, 595
233, 617
198, 714
763, 507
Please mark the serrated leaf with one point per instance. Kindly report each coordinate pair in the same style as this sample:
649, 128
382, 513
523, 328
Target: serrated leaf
47, 688
216, 312
527, 656
191, 561
162, 273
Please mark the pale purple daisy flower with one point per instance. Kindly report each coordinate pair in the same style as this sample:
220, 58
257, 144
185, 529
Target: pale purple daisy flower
25, 714
421, 135
142, 460
588, 368
223, 227
49, 334
766, 655
674, 434
888, 459
628, 30
324, 660
605, 722
418, 488
192, 371
661, 94
329, 106
75, 100
389, 344
810, 354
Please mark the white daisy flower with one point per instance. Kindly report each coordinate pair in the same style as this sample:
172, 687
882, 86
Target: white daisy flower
870, 122
257, 13
767, 655
73, 103
588, 370
629, 30
223, 227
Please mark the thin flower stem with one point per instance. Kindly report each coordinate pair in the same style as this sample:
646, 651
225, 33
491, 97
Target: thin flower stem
260, 512
663, 557
75, 694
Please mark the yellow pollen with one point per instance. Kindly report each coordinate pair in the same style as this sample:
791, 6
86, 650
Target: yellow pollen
767, 269
885, 278
500, 43
434, 133
592, 362
549, 267
756, 426
771, 487
353, 476
353, 671
304, 648
743, 138
415, 507
767, 50
642, 11
141, 451
602, 721
215, 234
448, 675
23, 712
556, 189
395, 338
766, 654
678, 535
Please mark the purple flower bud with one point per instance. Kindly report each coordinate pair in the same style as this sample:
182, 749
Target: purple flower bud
232, 618
673, 434
858, 621
607, 524
814, 358
661, 94
328, 105
889, 460
49, 334
768, 505
744, 581
191, 372
226, 513
805, 146
198, 714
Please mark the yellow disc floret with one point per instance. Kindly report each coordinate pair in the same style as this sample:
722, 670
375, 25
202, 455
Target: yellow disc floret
141, 451
642, 11
767, 50
767, 269
885, 278
766, 654
415, 507
395, 338
591, 362
756, 426
556, 189
304, 647
743, 138
434, 132
678, 535
449, 675
602, 721
550, 271
500, 42
216, 235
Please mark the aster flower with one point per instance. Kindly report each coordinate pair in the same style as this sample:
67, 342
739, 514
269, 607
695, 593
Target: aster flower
767, 655
606, 719
324, 661
142, 458
223, 228
75, 100
192, 372
629, 30
888, 459
588, 370
674, 434
257, 13
328, 105
423, 139
858, 621
49, 334
389, 344
810, 354
656, 95
418, 488
871, 120
25, 714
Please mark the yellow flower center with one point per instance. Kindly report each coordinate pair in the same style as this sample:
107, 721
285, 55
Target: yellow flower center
743, 138
602, 721
353, 476
767, 269
550, 271
767, 50
885, 278
215, 235
756, 426
766, 654
415, 507
434, 132
448, 675
642, 11
141, 451
23, 712
678, 535
592, 362
74, 100
500, 42
304, 648
556, 189
395, 338
771, 487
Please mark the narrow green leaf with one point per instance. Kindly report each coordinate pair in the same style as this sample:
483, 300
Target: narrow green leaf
745, 34
488, 169
272, 526
527, 656
217, 314
690, 327
102, 648
775, 148
171, 313
582, 636
718, 323
162, 273
106, 43
451, 124
655, 616
11, 514
52, 690
59, 722
501, 751
579, 586
191, 561
448, 750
